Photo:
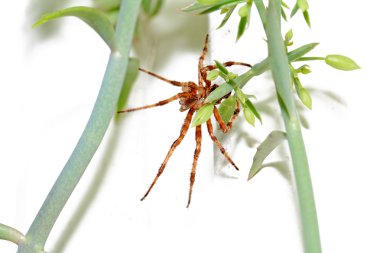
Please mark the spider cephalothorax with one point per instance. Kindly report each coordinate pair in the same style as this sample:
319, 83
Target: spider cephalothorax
191, 99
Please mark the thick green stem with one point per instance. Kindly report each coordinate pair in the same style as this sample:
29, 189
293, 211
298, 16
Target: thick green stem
92, 135
281, 76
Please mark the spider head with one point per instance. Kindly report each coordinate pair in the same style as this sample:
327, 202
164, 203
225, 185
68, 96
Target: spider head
192, 96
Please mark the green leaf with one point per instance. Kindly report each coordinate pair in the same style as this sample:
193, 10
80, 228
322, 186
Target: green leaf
301, 51
222, 68
283, 14
302, 93
253, 109
113, 16
219, 92
207, 2
107, 5
306, 16
306, 98
151, 7
194, 7
294, 10
241, 28
304, 69
303, 5
94, 18
227, 108
341, 62
202, 115
264, 149
205, 9
212, 75
244, 13
283, 4
227, 16
249, 116
222, 4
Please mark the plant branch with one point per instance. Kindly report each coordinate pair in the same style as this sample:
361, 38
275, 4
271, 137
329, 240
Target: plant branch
92, 135
281, 76
10, 234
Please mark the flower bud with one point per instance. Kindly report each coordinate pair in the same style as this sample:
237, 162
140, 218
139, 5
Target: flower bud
341, 62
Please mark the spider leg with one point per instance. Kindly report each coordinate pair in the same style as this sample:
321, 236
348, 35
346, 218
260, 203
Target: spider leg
198, 139
185, 127
200, 63
225, 128
159, 103
218, 144
227, 64
172, 82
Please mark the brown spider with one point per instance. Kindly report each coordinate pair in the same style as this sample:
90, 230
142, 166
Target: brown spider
191, 99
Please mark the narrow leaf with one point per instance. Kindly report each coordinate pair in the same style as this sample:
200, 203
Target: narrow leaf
264, 149
241, 28
151, 7
301, 51
219, 92
94, 18
227, 108
227, 16
283, 14
107, 5
222, 68
212, 75
253, 109
306, 98
302, 93
194, 7
294, 10
222, 4
341, 62
306, 16
249, 116
283, 4
303, 5
304, 69
202, 115
208, 2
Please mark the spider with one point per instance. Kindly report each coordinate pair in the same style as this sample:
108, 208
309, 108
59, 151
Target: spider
191, 99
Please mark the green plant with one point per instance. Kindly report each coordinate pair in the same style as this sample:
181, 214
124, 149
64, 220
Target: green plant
122, 69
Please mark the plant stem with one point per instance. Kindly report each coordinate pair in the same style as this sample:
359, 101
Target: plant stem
281, 76
10, 234
256, 70
92, 135
314, 58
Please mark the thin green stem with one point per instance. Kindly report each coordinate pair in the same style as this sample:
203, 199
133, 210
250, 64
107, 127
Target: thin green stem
311, 58
92, 135
11, 234
281, 76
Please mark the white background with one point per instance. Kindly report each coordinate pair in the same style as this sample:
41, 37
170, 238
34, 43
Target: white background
49, 78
